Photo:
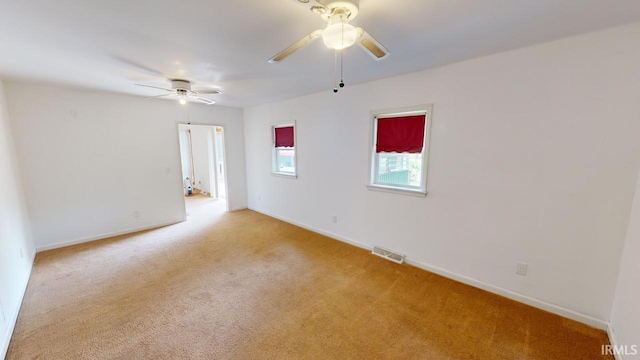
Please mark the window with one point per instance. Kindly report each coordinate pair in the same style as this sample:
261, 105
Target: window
400, 150
284, 150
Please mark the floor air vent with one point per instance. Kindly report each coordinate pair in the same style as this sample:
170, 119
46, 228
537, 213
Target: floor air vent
388, 254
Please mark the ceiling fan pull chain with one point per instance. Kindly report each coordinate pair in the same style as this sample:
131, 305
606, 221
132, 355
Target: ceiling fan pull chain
188, 118
342, 55
342, 31
341, 68
335, 71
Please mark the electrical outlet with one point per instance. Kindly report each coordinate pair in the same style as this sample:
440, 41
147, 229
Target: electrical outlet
259, 198
334, 219
521, 268
21, 253
136, 213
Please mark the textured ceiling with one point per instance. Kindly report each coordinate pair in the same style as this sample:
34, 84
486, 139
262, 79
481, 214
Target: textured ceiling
110, 45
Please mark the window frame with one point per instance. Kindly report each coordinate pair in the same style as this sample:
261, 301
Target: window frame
274, 150
374, 159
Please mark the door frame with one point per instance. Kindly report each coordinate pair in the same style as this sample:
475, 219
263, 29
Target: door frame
212, 153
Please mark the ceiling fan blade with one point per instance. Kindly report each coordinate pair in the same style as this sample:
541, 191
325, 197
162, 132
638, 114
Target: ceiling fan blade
207, 91
155, 87
371, 45
296, 46
138, 66
205, 100
157, 96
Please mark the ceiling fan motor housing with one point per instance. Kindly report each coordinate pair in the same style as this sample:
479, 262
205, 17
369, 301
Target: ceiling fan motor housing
180, 85
350, 8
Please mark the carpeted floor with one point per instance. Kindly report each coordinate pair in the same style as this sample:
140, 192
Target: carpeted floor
242, 285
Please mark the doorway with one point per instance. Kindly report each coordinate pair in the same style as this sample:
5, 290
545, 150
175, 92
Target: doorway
203, 160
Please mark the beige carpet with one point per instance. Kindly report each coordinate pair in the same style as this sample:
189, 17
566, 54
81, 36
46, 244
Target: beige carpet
242, 285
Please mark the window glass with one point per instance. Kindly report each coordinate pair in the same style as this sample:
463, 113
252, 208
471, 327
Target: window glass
399, 169
286, 160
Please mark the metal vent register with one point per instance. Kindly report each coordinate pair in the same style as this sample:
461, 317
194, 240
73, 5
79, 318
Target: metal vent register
388, 254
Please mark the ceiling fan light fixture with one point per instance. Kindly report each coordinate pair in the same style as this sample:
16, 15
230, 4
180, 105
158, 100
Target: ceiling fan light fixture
182, 96
339, 34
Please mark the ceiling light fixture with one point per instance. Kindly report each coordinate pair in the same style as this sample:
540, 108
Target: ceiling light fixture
182, 95
339, 34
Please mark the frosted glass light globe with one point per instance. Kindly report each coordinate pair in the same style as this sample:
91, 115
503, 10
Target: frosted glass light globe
339, 34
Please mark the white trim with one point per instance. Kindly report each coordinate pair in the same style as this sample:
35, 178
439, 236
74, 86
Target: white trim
316, 230
613, 341
104, 236
540, 304
395, 190
13, 318
224, 167
284, 175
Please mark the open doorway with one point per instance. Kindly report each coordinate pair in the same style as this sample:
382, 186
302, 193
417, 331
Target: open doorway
203, 162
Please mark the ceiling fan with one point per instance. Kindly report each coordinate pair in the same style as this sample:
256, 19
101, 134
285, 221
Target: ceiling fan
182, 89
338, 34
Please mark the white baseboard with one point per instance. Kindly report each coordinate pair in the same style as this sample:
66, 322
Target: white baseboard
13, 318
316, 230
613, 341
540, 304
104, 236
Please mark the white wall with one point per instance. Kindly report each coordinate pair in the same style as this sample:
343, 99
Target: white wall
90, 160
625, 315
534, 155
16, 246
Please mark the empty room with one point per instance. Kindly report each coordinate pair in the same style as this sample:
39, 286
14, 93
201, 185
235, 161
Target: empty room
320, 179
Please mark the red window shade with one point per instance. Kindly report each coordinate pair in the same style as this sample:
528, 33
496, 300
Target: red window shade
284, 136
401, 134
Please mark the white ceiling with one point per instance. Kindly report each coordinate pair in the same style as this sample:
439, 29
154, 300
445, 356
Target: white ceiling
110, 45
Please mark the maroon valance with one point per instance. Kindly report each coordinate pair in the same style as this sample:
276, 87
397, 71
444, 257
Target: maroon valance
403, 134
284, 136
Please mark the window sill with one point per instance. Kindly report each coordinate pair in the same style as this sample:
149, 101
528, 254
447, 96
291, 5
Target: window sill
283, 175
393, 190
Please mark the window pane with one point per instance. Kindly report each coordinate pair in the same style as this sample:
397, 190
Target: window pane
399, 169
285, 161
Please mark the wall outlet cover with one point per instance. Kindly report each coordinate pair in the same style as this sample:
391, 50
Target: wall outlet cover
521, 268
